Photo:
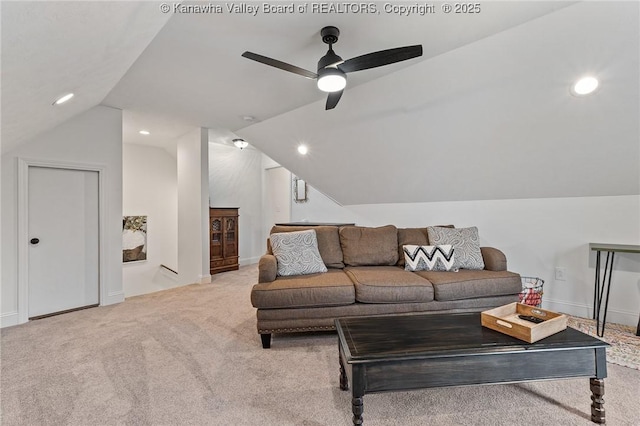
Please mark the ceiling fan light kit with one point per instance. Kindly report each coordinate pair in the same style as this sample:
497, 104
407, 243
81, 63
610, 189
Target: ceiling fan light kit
331, 80
331, 73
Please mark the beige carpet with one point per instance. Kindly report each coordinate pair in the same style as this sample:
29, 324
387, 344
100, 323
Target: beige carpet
191, 356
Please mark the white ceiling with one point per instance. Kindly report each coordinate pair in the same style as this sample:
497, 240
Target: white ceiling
52, 48
173, 72
193, 70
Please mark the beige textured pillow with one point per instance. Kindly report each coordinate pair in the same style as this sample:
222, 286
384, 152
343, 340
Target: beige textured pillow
328, 242
364, 246
465, 241
297, 253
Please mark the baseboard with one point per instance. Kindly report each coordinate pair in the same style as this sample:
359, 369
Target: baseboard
249, 261
9, 319
204, 279
586, 311
113, 298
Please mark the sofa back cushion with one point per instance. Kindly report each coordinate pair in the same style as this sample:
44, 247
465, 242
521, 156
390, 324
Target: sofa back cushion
364, 246
328, 242
410, 236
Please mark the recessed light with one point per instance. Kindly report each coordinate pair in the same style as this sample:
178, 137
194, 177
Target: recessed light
584, 86
63, 99
144, 132
302, 149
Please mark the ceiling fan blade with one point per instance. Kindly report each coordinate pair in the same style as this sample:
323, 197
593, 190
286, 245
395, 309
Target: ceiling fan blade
333, 98
279, 64
380, 58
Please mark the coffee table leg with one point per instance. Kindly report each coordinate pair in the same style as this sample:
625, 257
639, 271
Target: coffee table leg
344, 380
597, 400
358, 408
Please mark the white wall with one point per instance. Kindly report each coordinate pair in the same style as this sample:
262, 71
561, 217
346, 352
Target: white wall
150, 188
193, 213
537, 235
277, 196
320, 208
235, 180
93, 137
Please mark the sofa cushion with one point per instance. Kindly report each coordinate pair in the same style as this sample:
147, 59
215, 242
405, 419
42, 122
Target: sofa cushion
297, 253
429, 258
328, 242
465, 241
332, 288
414, 236
364, 246
389, 284
469, 284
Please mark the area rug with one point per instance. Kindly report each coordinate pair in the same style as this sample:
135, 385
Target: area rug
625, 345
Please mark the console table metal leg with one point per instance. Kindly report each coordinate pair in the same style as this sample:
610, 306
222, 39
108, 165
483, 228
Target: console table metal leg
600, 288
358, 408
596, 287
597, 400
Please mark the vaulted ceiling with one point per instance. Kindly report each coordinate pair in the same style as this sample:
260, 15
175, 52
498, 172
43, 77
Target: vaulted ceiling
490, 120
482, 112
53, 48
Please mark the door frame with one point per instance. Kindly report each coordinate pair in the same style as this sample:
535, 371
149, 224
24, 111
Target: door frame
23, 228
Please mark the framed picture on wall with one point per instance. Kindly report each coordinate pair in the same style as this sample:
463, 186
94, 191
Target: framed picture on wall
134, 238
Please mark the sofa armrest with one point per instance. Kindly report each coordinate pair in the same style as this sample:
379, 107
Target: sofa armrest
267, 268
494, 259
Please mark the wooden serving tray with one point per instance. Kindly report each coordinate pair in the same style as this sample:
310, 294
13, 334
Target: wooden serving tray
505, 320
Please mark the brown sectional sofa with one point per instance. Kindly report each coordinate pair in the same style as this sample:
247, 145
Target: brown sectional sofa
365, 276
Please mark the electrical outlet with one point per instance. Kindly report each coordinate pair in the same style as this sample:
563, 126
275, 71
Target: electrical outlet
561, 274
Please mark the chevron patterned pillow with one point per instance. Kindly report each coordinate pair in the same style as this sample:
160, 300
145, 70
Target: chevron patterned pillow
428, 258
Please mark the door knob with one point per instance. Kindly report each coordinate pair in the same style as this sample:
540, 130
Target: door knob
34, 241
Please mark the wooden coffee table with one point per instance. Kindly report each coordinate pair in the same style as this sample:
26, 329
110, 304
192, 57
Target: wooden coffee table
404, 352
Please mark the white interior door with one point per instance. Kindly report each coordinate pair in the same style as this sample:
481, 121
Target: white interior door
63, 229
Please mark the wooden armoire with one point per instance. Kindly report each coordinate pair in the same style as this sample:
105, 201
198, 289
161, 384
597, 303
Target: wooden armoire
223, 239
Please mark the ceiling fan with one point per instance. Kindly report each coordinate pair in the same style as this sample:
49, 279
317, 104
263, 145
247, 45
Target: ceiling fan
332, 69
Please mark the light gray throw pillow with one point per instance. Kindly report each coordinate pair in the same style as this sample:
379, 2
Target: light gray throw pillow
465, 241
297, 253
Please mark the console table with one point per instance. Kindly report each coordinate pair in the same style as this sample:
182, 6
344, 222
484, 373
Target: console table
314, 224
599, 287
